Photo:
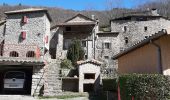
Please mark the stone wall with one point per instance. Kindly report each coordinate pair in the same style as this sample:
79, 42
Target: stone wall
36, 29
37, 80
112, 38
21, 49
52, 83
2, 30
135, 29
89, 68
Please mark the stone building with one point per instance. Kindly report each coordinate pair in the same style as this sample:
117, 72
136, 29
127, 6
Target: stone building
30, 45
24, 40
126, 31
89, 75
135, 26
78, 27
149, 56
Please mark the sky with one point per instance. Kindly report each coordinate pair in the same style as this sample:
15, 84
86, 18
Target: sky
76, 4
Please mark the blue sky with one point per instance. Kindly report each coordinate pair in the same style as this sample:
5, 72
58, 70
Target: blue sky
74, 4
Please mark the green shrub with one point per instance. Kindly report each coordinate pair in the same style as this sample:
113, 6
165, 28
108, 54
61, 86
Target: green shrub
109, 84
66, 64
75, 52
144, 87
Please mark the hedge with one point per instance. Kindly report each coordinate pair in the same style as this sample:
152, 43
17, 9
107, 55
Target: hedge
109, 84
144, 87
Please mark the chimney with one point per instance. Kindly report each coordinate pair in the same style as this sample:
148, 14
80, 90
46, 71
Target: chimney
154, 12
93, 17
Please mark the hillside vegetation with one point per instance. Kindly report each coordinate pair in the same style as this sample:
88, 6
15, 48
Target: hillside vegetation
60, 15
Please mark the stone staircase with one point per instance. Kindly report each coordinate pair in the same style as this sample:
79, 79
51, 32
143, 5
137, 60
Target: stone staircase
52, 79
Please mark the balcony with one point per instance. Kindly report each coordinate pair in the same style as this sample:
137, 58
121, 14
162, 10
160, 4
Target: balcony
20, 54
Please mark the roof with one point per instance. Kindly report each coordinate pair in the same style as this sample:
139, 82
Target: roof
67, 23
29, 10
89, 61
81, 15
141, 43
107, 33
147, 13
2, 22
76, 23
8, 60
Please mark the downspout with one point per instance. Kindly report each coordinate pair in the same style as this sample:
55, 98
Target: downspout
159, 58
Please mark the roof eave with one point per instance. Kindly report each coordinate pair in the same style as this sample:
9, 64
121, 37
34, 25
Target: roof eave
44, 10
143, 42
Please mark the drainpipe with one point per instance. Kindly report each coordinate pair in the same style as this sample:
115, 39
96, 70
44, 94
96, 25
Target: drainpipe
159, 59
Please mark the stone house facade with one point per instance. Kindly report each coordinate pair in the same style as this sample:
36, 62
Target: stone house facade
78, 27
128, 30
29, 44
136, 26
24, 47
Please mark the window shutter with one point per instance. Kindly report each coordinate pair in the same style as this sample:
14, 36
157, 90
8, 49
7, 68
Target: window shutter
23, 35
46, 39
25, 19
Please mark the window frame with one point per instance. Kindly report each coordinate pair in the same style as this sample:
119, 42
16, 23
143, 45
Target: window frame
107, 46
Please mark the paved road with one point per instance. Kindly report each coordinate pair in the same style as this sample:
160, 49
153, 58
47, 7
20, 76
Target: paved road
16, 97
23, 97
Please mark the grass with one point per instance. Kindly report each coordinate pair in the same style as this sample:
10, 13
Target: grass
62, 96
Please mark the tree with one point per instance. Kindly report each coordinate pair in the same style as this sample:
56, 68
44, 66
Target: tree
75, 52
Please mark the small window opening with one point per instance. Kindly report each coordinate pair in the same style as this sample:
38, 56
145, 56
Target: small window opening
83, 44
25, 19
85, 56
125, 28
30, 54
106, 57
107, 45
126, 40
145, 28
68, 29
89, 76
13, 54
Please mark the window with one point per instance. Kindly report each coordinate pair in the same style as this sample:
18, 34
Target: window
68, 29
23, 35
146, 36
25, 19
89, 76
85, 56
125, 28
13, 54
107, 45
126, 40
46, 39
145, 28
106, 57
30, 54
83, 44
141, 18
67, 43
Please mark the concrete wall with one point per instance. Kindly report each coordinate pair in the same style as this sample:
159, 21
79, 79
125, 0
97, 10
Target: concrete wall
145, 59
141, 60
165, 47
89, 68
70, 85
